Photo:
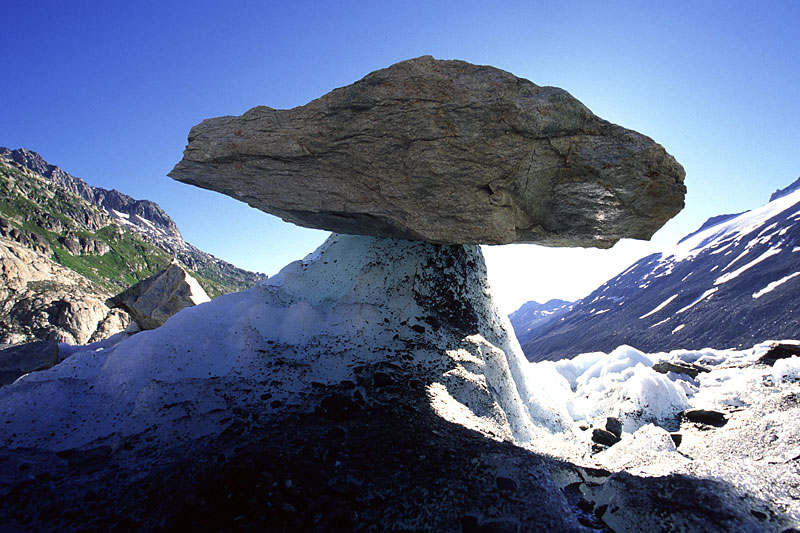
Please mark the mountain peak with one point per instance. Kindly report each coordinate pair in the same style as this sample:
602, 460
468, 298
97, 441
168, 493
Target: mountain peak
795, 185
71, 220
29, 159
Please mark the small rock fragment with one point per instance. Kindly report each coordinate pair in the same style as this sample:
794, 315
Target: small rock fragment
777, 351
614, 425
679, 367
606, 438
707, 417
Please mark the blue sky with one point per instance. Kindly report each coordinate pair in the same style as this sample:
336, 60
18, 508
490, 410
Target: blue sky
109, 91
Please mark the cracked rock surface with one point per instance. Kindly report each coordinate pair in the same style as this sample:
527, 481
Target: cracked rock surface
442, 151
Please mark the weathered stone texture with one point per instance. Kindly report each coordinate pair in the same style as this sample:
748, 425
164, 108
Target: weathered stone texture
42, 300
153, 300
443, 151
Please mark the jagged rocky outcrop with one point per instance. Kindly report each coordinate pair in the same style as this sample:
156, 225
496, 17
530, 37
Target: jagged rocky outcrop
26, 238
153, 300
732, 283
112, 200
47, 209
443, 151
40, 299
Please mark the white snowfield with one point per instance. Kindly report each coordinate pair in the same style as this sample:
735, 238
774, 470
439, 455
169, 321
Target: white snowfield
359, 302
720, 239
727, 232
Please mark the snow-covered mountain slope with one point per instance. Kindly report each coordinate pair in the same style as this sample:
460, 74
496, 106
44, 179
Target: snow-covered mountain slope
731, 284
531, 316
371, 385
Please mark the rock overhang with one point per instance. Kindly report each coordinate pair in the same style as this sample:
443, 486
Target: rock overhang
442, 151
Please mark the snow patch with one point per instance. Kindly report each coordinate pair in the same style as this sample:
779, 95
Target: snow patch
736, 273
703, 296
627, 271
661, 322
787, 369
774, 285
659, 307
770, 227
676, 330
197, 294
145, 222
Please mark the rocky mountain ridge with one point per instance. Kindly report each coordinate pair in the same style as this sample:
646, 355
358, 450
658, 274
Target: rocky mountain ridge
67, 247
79, 220
111, 200
730, 284
532, 315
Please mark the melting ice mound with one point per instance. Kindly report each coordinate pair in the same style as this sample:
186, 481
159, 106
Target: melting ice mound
405, 314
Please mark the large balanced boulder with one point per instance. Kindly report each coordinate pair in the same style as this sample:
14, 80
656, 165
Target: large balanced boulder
443, 151
153, 300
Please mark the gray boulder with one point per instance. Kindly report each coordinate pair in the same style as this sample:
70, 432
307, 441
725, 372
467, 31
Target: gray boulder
42, 300
16, 361
443, 151
153, 300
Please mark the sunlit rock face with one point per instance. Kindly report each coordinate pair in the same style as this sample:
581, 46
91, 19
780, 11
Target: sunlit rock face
442, 151
40, 299
153, 300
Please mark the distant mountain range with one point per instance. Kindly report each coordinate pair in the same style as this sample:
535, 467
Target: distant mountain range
528, 319
732, 283
107, 241
80, 224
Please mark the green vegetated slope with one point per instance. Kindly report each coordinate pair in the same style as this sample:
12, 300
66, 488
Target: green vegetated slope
82, 237
129, 260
